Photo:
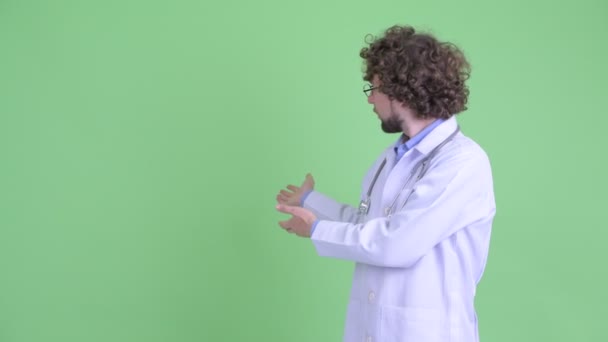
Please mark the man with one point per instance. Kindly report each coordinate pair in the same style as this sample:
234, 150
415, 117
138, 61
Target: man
421, 234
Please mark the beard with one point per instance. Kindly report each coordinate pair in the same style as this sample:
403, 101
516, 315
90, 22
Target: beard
392, 124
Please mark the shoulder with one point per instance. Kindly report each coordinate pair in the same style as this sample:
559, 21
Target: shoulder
463, 154
463, 147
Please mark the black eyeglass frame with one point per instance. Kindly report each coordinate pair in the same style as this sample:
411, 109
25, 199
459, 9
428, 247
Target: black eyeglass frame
367, 89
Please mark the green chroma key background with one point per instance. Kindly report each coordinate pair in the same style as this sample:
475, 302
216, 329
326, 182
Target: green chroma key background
142, 144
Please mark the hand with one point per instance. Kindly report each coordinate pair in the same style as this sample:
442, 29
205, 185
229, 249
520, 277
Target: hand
293, 195
301, 221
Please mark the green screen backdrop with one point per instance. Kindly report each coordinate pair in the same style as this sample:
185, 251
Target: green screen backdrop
142, 144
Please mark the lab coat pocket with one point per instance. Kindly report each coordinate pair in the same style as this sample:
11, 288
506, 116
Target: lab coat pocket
405, 324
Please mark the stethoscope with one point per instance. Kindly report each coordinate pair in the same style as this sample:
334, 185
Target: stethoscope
420, 169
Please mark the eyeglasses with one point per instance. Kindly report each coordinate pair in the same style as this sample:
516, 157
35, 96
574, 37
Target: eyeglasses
367, 89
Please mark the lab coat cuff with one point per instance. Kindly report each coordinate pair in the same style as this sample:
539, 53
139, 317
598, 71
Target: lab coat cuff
314, 225
304, 197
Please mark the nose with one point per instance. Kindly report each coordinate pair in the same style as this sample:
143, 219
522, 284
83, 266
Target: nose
370, 98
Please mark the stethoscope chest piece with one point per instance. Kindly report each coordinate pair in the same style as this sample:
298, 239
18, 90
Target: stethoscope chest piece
387, 211
364, 206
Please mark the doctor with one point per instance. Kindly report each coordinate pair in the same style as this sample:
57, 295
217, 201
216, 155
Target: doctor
421, 232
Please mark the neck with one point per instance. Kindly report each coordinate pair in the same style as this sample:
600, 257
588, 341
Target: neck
412, 126
410, 123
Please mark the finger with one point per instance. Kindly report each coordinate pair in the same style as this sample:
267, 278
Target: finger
293, 188
287, 209
284, 196
286, 227
295, 211
298, 213
286, 193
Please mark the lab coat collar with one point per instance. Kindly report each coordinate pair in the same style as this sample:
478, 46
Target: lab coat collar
437, 135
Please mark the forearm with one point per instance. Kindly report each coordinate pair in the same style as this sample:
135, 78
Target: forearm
326, 208
399, 241
441, 206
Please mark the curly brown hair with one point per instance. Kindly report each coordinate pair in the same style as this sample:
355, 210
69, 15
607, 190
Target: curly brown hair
416, 69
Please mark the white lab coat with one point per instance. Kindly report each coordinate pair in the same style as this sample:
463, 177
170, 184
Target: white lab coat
417, 270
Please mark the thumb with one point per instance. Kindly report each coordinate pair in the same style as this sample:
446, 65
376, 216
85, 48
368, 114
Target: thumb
287, 209
303, 214
309, 182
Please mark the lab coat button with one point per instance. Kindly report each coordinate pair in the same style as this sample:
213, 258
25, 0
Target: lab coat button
371, 296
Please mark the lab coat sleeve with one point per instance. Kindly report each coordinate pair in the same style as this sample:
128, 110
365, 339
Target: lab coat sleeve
326, 208
456, 193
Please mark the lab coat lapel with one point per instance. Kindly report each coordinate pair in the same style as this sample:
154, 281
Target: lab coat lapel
401, 172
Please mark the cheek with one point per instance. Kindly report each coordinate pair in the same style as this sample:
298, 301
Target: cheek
384, 107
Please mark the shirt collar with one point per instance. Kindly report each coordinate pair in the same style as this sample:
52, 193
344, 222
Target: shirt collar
413, 141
